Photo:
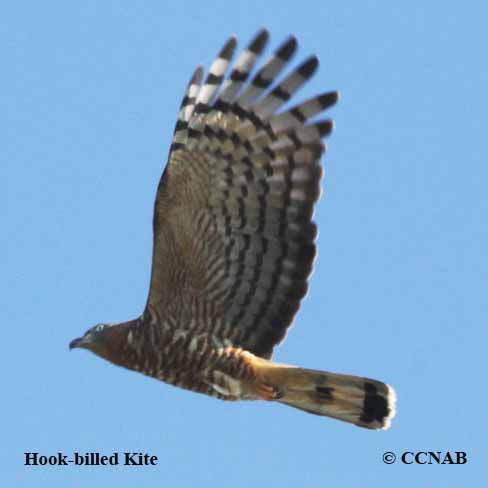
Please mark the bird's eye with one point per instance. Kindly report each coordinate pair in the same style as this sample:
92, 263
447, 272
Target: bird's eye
99, 327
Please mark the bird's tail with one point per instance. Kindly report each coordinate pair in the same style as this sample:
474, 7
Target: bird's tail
360, 401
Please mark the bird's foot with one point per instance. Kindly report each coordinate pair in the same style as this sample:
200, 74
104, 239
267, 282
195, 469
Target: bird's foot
269, 392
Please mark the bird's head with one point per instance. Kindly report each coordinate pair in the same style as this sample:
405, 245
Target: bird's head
95, 339
109, 341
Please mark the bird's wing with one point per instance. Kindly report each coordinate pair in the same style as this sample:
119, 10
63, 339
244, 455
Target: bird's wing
233, 230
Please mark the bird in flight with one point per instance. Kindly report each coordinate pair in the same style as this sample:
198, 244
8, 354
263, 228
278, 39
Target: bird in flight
234, 245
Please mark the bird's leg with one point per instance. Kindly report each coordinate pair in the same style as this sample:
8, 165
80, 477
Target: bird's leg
269, 392
268, 378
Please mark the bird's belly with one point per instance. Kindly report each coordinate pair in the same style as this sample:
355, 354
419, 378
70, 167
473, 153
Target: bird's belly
199, 363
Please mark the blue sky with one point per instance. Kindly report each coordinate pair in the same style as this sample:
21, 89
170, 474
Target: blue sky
89, 92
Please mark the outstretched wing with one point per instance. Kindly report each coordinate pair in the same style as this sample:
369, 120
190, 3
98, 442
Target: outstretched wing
233, 230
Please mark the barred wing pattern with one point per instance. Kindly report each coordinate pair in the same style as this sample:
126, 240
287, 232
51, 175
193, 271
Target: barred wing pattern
245, 177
